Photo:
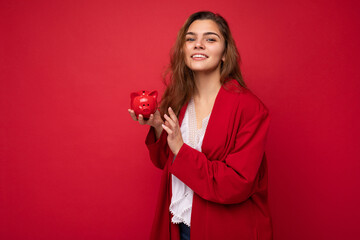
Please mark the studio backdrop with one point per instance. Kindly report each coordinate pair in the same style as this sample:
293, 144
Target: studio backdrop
74, 165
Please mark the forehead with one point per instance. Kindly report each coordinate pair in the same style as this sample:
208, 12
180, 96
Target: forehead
201, 26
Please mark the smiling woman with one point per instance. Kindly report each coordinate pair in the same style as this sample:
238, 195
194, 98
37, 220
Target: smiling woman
208, 137
204, 47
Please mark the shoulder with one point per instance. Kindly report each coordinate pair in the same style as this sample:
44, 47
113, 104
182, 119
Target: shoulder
244, 99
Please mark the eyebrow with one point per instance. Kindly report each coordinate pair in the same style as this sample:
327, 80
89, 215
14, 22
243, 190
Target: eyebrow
206, 33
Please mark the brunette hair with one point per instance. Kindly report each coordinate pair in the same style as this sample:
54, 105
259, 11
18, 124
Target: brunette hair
179, 79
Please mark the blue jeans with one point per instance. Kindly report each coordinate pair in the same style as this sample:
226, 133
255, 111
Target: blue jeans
184, 232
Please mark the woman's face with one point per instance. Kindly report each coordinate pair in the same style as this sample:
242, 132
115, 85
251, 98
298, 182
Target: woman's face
204, 46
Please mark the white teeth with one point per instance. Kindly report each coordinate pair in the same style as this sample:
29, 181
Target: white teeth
198, 56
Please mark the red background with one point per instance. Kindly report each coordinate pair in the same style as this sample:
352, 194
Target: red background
73, 165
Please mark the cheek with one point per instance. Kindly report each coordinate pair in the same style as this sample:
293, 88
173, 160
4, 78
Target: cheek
220, 50
216, 50
222, 55
217, 53
187, 53
187, 49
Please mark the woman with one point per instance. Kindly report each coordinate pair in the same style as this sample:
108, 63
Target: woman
210, 142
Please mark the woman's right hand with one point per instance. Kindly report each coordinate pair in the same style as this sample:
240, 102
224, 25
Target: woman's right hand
155, 121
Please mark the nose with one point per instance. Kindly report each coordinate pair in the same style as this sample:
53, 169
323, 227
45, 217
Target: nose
199, 44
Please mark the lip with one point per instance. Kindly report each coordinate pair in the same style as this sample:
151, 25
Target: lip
206, 56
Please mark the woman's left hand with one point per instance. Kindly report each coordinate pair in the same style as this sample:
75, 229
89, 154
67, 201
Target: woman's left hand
172, 127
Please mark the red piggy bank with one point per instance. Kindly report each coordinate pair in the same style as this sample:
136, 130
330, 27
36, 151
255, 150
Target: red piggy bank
144, 103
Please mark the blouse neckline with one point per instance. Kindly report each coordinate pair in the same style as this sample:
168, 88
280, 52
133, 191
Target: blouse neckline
204, 121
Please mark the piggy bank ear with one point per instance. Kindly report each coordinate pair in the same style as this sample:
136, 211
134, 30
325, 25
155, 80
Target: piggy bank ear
154, 94
134, 95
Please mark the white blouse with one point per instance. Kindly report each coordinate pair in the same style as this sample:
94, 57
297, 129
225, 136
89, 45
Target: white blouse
182, 195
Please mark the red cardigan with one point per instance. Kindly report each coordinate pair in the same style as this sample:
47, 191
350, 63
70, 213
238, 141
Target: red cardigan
229, 176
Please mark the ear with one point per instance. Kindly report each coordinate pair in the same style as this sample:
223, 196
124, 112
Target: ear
154, 94
223, 56
134, 95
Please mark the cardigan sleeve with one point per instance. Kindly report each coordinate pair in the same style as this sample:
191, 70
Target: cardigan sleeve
158, 149
231, 180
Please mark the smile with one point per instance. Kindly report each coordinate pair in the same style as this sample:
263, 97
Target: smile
198, 56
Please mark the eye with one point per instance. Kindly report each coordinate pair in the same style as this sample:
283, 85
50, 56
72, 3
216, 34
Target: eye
211, 40
190, 39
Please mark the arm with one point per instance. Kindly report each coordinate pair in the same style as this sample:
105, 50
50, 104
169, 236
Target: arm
231, 181
155, 140
158, 148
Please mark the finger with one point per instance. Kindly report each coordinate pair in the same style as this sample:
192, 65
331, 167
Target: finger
132, 114
171, 122
149, 121
141, 119
167, 124
157, 113
172, 115
168, 130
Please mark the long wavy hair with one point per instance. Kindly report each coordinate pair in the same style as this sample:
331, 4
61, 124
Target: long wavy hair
179, 79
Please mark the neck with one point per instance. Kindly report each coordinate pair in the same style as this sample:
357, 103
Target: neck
207, 85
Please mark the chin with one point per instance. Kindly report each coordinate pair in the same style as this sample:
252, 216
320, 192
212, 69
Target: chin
203, 69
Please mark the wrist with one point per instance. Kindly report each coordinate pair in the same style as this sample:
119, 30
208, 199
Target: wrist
178, 149
158, 132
